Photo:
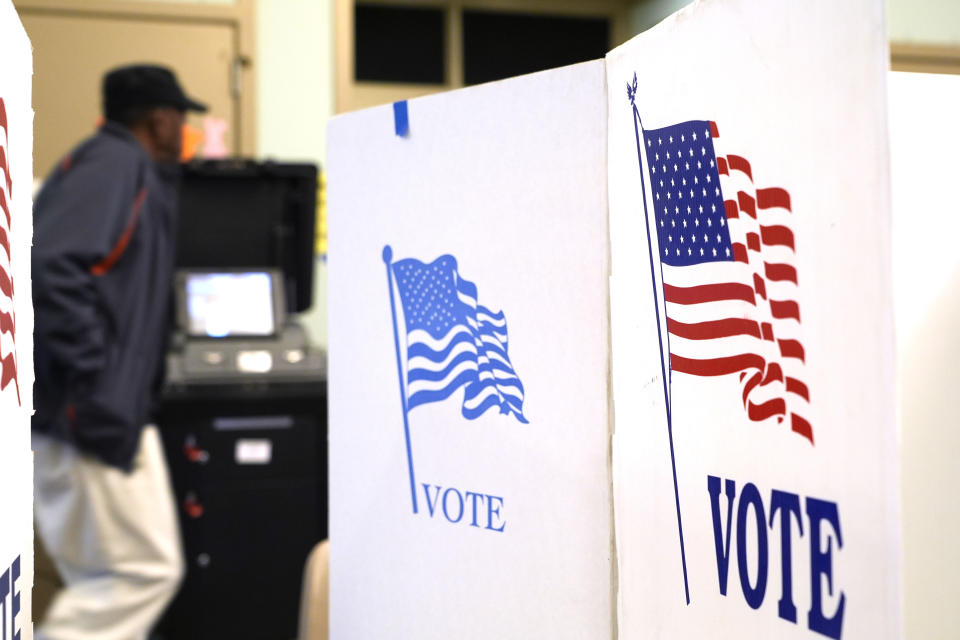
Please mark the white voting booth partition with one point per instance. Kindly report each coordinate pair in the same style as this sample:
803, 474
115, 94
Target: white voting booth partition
926, 286
760, 482
467, 505
16, 327
680, 426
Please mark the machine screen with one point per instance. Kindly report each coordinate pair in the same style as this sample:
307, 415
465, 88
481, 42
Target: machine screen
230, 304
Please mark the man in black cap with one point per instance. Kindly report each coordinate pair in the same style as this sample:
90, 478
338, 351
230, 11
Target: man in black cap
104, 230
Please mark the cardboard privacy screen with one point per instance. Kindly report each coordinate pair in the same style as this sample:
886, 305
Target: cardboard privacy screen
16, 326
679, 425
470, 492
926, 291
757, 478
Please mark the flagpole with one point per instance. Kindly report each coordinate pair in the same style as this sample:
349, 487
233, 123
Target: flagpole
387, 259
663, 365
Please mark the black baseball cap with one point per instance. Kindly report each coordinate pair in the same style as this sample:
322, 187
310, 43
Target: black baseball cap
144, 85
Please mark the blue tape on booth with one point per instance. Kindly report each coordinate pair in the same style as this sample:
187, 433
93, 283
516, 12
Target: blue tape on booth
401, 121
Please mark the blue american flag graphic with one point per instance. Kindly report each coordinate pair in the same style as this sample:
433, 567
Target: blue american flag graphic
452, 341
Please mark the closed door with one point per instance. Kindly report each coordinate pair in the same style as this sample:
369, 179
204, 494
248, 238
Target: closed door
73, 49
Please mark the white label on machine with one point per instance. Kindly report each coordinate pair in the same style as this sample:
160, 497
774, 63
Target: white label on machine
254, 361
250, 451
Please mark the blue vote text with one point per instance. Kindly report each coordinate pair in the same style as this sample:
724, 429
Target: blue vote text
10, 601
784, 508
472, 508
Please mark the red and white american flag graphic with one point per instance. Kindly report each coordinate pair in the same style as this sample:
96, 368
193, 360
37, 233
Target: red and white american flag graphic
727, 255
8, 348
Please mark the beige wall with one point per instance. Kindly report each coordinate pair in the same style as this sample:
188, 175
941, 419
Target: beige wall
295, 97
191, 1
295, 77
933, 22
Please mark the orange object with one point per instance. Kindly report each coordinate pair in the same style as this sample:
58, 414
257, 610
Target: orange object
192, 139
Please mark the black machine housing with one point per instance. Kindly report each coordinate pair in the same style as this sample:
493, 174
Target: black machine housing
243, 214
247, 523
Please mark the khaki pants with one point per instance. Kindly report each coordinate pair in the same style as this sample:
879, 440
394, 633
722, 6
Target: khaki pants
113, 537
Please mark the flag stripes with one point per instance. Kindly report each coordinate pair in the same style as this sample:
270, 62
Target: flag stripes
727, 253
8, 347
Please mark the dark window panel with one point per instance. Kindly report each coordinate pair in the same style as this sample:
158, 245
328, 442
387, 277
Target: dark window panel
499, 45
399, 44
